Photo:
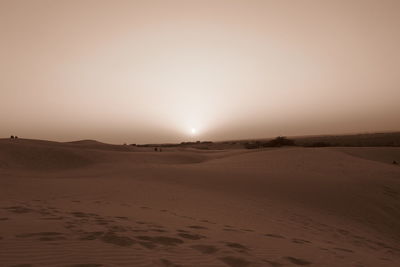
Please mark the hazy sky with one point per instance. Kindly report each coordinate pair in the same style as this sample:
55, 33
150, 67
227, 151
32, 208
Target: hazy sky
150, 71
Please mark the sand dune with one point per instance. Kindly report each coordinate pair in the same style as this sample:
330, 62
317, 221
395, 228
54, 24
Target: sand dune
93, 204
44, 155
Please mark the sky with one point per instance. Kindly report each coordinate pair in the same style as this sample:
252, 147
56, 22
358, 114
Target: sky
170, 71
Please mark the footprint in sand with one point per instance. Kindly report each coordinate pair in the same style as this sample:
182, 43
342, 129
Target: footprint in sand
342, 231
102, 221
157, 230
238, 247
91, 235
198, 227
390, 192
235, 261
121, 217
52, 218
139, 231
161, 240
344, 249
168, 263
191, 236
117, 228
274, 263
18, 209
231, 230
205, 249
207, 221
298, 261
44, 236
45, 212
122, 241
86, 265
274, 235
80, 214
148, 245
300, 241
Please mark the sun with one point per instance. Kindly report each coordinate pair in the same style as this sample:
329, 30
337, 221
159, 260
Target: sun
193, 130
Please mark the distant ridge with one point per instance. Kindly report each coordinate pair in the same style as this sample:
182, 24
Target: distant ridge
391, 139
84, 144
356, 140
40, 155
93, 144
87, 142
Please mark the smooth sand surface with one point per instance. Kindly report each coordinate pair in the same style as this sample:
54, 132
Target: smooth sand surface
92, 204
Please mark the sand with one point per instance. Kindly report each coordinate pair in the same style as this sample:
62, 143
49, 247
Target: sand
92, 204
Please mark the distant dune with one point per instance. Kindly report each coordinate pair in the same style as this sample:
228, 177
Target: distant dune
93, 144
26, 154
391, 139
87, 203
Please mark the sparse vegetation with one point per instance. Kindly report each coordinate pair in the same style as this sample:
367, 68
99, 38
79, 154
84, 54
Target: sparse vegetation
279, 141
276, 142
252, 145
318, 144
354, 140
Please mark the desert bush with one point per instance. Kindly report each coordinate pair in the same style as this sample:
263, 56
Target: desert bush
318, 144
279, 141
252, 145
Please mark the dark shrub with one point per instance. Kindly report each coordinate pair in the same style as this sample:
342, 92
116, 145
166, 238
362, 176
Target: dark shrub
252, 145
318, 144
279, 141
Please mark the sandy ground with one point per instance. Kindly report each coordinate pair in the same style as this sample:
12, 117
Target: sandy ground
90, 204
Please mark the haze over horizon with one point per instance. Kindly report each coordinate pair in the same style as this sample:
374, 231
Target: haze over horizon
154, 71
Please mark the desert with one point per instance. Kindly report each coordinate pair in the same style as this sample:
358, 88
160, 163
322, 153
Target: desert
92, 204
199, 133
